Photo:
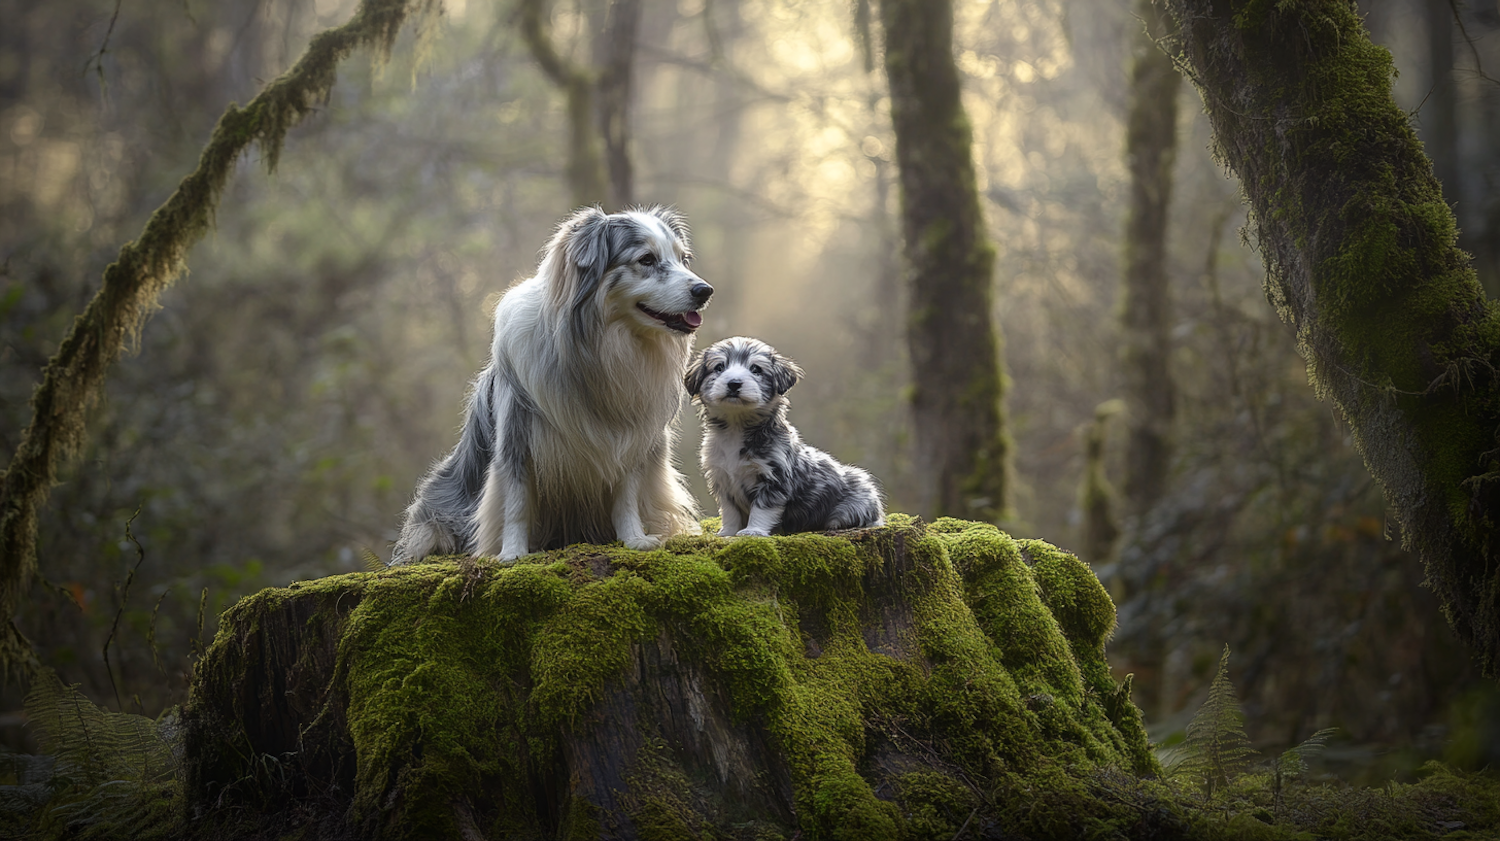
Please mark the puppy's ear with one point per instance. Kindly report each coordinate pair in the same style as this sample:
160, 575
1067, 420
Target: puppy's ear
697, 372
584, 241
784, 373
674, 220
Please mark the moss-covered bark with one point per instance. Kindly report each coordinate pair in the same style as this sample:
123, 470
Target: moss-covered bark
881, 685
1361, 260
958, 416
1145, 299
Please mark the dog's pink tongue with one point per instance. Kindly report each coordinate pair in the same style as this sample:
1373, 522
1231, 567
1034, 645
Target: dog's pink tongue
692, 319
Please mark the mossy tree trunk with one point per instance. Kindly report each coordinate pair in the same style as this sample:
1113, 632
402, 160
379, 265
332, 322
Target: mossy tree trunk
1145, 297
958, 419
598, 168
1361, 260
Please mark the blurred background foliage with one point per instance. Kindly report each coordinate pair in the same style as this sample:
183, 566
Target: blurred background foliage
283, 402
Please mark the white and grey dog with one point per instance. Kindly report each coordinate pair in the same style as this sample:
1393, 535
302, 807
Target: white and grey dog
762, 475
570, 427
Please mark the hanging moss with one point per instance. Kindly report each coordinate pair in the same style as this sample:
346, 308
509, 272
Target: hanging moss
144, 269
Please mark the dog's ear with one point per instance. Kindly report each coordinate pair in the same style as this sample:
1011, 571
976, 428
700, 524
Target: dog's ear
583, 239
784, 373
674, 220
697, 372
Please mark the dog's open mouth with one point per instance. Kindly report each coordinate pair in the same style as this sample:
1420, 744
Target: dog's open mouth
682, 322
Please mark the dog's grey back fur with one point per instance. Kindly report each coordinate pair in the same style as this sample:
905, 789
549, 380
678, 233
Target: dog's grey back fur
442, 514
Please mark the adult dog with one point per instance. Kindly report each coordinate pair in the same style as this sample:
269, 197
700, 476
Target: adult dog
569, 430
764, 478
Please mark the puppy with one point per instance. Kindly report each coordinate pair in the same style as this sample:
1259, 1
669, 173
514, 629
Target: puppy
762, 475
569, 429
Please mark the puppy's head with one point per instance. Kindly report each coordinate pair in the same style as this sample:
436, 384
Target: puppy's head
740, 377
630, 267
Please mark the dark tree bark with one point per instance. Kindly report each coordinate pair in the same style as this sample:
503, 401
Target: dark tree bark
1361, 260
959, 423
1145, 298
599, 169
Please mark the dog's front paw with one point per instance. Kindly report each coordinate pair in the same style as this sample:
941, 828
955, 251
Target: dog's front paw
727, 533
753, 533
645, 542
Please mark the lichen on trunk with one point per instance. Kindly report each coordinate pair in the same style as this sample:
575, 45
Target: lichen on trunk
1361, 259
877, 685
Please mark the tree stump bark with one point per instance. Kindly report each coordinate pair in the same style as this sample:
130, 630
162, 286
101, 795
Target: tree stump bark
874, 684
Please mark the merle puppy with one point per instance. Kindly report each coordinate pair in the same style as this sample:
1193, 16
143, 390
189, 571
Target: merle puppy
764, 478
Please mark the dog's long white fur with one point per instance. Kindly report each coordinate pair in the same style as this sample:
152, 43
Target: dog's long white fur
571, 426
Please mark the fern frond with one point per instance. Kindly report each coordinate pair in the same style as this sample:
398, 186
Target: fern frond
111, 774
1293, 761
1216, 745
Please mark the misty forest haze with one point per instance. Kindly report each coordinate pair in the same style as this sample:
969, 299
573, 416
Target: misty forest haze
274, 417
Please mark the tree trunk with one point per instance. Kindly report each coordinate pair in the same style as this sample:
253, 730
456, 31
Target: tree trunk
958, 420
881, 684
585, 167
1360, 255
616, 50
1145, 299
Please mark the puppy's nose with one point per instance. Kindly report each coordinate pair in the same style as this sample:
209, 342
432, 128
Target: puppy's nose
701, 293
733, 386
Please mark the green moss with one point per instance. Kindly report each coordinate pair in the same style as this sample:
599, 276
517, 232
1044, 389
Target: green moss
1362, 258
461, 677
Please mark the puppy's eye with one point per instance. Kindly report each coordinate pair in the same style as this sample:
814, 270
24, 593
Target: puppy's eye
648, 261
755, 369
719, 369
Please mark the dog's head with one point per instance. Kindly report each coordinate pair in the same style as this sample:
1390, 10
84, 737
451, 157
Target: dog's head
631, 267
740, 377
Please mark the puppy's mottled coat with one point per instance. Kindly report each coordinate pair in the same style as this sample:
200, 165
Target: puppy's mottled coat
570, 426
764, 478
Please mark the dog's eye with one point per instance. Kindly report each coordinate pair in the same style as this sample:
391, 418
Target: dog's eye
755, 369
719, 369
648, 260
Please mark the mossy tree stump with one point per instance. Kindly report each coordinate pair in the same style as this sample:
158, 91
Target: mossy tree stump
885, 683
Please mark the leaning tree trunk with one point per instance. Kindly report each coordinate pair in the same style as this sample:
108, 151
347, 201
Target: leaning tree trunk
958, 419
1361, 260
1145, 301
145, 267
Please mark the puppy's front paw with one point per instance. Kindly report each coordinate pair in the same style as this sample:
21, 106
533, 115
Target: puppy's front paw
754, 533
645, 542
727, 533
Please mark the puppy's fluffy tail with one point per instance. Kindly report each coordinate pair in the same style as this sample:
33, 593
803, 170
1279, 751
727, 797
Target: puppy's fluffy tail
439, 520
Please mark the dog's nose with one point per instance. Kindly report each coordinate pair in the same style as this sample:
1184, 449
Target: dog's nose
733, 386
701, 292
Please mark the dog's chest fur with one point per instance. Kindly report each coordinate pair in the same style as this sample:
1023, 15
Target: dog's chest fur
735, 464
